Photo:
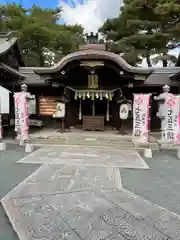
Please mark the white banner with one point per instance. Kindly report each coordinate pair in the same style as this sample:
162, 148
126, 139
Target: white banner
1, 127
21, 114
141, 118
177, 134
17, 113
170, 123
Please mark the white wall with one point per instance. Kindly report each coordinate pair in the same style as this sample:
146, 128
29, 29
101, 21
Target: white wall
4, 99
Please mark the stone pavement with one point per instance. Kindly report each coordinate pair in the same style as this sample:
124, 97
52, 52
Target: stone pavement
79, 196
105, 139
86, 156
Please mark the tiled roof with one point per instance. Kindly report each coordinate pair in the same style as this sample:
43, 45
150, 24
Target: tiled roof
92, 46
11, 70
32, 78
95, 55
160, 79
6, 42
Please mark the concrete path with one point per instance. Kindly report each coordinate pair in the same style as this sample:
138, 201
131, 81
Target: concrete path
77, 194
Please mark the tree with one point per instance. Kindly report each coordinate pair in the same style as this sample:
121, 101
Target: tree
42, 40
164, 58
144, 27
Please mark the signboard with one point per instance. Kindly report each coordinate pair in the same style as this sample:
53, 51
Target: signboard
170, 123
21, 114
141, 118
47, 105
92, 63
93, 81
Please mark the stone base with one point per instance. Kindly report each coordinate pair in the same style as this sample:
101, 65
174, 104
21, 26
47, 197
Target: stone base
165, 144
2, 146
21, 143
178, 153
28, 148
147, 153
18, 137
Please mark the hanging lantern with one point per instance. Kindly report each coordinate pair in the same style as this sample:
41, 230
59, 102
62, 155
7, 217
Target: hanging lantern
92, 96
80, 95
101, 96
88, 96
97, 95
106, 95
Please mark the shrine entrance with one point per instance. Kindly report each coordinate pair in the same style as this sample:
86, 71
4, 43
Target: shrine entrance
94, 109
95, 84
99, 105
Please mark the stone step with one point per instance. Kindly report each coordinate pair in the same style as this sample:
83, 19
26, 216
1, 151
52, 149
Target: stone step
118, 144
122, 145
85, 143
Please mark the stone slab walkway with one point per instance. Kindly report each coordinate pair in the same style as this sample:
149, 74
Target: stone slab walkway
71, 199
88, 156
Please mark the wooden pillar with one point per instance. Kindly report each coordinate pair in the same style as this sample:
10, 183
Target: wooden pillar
66, 121
113, 107
118, 120
37, 105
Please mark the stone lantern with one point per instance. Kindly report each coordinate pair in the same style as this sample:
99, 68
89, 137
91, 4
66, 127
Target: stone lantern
161, 106
161, 100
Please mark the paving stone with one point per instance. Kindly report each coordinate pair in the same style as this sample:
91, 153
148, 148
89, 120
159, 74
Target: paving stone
88, 214
167, 223
91, 215
74, 200
76, 155
144, 210
51, 179
137, 206
81, 210
129, 226
41, 221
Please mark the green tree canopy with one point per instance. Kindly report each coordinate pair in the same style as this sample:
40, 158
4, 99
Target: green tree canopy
144, 28
42, 39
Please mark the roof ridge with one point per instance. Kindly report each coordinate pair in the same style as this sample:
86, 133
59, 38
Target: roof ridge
8, 34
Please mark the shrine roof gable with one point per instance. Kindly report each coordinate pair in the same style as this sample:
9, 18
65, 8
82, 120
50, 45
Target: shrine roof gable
93, 55
7, 42
11, 70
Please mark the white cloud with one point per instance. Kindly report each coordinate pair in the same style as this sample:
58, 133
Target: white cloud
91, 14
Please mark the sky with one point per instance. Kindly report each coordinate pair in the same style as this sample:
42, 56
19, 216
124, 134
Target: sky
89, 13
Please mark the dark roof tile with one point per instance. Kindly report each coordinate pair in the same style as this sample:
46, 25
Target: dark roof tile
11, 70
160, 79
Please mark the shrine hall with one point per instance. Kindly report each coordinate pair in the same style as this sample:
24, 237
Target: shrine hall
93, 82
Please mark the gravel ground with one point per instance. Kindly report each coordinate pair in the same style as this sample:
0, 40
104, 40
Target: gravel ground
160, 184
11, 174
